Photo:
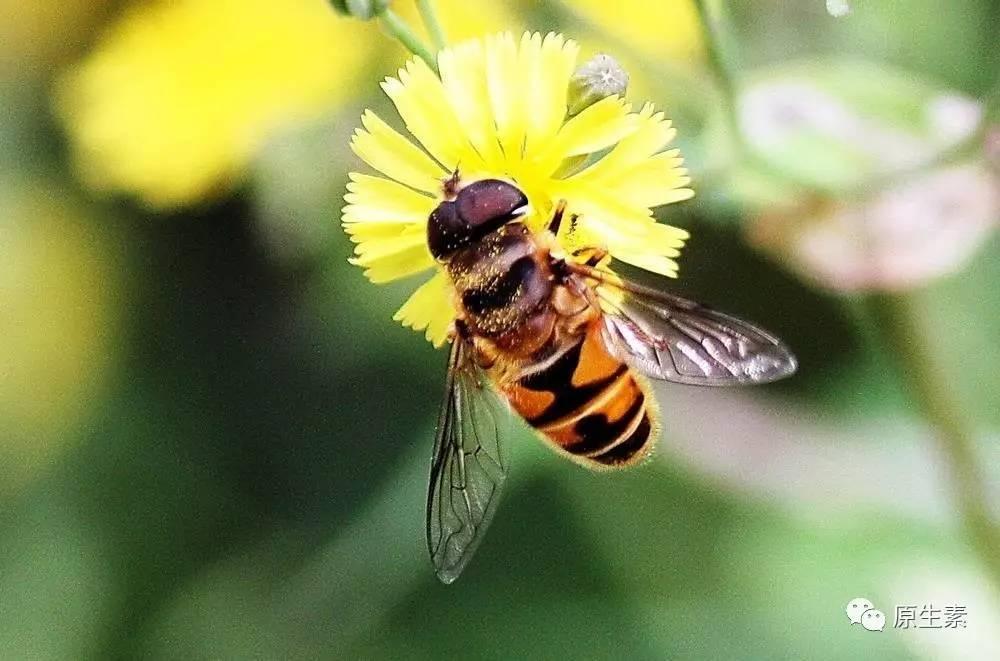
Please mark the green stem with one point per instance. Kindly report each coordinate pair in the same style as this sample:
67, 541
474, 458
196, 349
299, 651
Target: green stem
398, 28
717, 40
720, 49
429, 16
898, 318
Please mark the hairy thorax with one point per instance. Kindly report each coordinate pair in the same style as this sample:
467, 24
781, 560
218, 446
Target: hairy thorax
510, 299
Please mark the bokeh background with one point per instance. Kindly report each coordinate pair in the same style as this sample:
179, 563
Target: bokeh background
214, 440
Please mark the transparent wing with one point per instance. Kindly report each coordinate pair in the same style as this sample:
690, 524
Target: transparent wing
469, 465
671, 338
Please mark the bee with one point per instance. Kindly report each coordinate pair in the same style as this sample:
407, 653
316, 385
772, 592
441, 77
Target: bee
564, 344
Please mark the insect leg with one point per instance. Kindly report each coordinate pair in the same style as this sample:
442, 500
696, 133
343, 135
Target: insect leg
591, 256
557, 217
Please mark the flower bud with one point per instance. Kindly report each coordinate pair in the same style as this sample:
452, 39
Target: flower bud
362, 9
598, 78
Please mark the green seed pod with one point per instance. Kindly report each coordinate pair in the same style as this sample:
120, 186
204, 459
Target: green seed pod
598, 78
362, 9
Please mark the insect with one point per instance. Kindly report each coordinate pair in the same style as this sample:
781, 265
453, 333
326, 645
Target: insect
565, 345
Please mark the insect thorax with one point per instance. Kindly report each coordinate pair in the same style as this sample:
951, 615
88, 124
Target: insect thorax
503, 281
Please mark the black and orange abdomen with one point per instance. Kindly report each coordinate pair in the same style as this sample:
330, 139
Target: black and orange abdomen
589, 404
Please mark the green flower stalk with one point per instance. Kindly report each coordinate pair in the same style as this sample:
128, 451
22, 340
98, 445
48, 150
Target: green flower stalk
367, 10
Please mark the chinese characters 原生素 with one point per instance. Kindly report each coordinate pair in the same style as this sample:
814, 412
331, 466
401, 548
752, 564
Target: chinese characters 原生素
929, 616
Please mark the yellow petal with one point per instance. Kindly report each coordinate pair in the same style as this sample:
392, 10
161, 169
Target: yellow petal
379, 200
628, 232
399, 265
388, 255
653, 132
361, 232
602, 210
655, 181
377, 248
548, 65
650, 238
463, 73
507, 97
652, 249
650, 262
389, 152
595, 128
661, 234
430, 309
420, 99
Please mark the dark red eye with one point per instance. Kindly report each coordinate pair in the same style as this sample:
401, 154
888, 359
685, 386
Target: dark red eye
489, 203
479, 208
446, 232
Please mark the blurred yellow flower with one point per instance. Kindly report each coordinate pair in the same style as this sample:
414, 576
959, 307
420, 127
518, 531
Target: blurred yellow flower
499, 110
177, 96
35, 35
665, 29
58, 319
464, 19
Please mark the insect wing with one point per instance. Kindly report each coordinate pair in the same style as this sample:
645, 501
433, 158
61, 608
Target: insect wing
469, 465
671, 338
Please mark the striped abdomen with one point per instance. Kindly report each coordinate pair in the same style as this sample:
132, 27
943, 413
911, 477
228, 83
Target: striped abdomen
589, 404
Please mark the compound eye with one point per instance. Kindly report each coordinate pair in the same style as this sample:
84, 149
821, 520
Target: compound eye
446, 232
490, 203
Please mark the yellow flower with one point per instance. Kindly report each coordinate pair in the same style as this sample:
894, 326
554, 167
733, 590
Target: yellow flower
499, 110
655, 29
38, 34
463, 19
178, 96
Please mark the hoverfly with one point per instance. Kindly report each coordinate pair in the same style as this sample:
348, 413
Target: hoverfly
564, 344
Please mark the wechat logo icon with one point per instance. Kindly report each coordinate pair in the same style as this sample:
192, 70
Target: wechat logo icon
861, 611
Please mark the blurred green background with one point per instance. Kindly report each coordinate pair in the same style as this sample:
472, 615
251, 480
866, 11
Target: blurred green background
215, 440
